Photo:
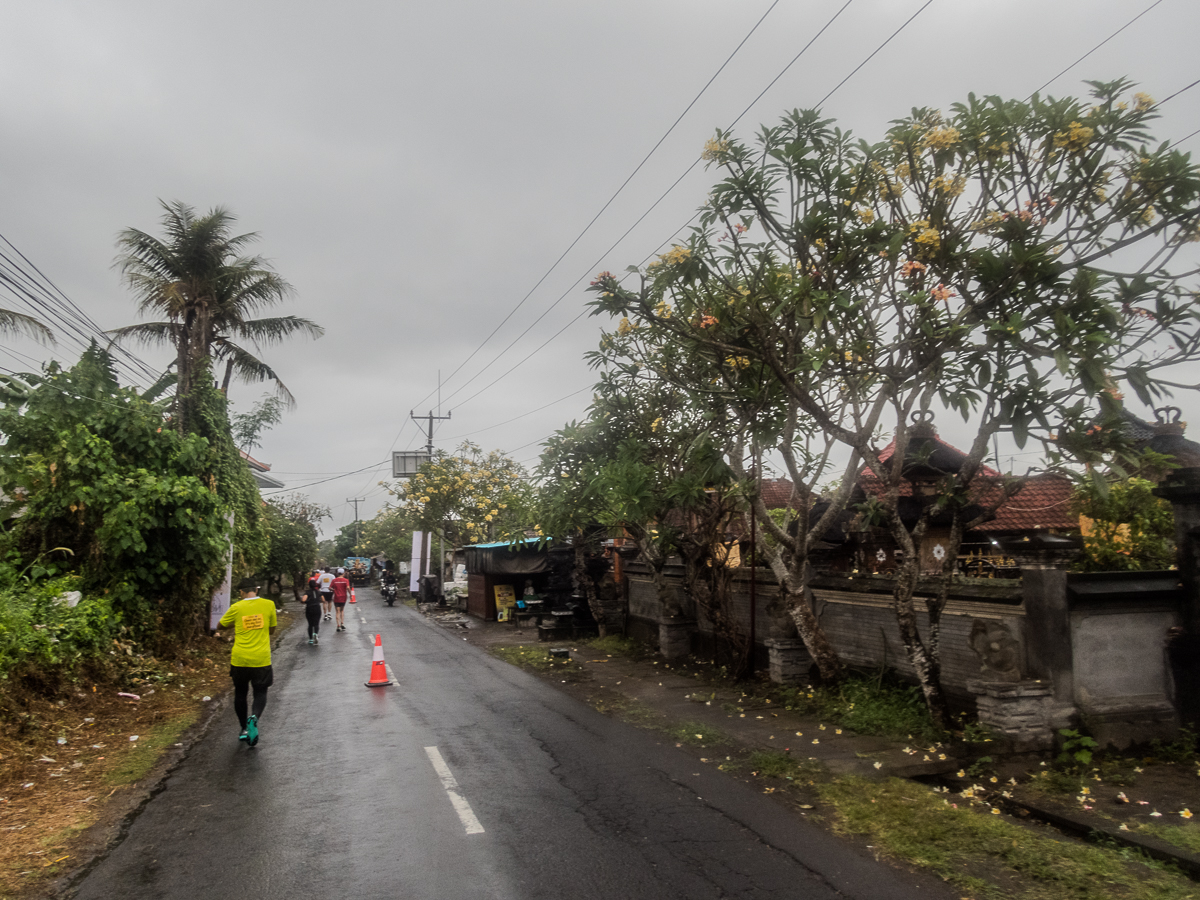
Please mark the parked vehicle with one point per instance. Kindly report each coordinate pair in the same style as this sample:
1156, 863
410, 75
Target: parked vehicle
358, 569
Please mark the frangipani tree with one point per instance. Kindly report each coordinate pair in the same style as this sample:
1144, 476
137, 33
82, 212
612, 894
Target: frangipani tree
481, 496
1015, 262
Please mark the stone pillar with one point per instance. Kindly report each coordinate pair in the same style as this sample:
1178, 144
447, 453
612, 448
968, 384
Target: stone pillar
789, 660
1025, 714
1048, 653
675, 638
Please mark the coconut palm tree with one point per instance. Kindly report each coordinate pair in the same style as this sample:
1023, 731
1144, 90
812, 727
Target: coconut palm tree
197, 279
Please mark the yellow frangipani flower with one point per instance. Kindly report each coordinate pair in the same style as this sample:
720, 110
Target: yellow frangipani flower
713, 149
1075, 139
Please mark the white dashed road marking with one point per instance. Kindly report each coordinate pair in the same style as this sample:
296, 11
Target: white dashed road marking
460, 804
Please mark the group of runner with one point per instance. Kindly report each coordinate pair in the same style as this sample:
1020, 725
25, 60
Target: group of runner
326, 599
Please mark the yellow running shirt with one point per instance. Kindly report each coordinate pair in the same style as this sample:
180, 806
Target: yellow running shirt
254, 617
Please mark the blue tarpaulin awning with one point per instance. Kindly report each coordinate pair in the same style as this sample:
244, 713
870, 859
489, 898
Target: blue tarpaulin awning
505, 558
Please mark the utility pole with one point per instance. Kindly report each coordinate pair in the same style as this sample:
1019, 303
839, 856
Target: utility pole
356, 501
431, 418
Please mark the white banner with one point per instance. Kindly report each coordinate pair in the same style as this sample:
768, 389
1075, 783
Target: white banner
222, 595
414, 570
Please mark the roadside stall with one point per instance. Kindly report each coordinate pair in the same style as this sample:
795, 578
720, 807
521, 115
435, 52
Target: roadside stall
523, 582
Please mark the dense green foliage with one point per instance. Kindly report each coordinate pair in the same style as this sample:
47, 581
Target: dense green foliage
349, 541
474, 496
388, 534
292, 523
227, 473
43, 641
105, 490
1130, 527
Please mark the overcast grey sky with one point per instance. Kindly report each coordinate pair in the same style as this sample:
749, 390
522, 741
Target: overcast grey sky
414, 169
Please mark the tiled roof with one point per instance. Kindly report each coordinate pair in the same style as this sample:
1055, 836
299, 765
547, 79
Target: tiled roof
777, 493
950, 452
1043, 504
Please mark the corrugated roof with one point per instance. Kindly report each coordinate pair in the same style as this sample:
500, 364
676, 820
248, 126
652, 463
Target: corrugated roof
509, 543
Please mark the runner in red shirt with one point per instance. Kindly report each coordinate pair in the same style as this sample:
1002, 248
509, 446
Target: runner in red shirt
341, 593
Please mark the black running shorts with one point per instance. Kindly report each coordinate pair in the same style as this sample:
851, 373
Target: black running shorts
256, 676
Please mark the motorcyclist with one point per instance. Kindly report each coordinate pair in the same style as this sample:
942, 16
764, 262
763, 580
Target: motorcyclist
388, 581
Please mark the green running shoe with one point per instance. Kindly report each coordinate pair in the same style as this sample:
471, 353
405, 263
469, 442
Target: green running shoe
252, 731
243, 736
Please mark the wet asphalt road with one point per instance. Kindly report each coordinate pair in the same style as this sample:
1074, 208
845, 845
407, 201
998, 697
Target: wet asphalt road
342, 799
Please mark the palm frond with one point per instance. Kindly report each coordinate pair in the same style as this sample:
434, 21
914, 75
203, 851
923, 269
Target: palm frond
271, 331
147, 333
12, 322
165, 382
250, 369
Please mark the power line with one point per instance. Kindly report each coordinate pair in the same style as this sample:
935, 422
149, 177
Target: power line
1178, 92
877, 49
672, 187
522, 415
610, 200
641, 218
47, 297
1186, 137
376, 466
1097, 47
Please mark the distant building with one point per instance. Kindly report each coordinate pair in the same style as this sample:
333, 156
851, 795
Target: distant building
259, 470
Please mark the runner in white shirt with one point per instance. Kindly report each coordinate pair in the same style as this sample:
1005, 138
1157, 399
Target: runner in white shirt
327, 593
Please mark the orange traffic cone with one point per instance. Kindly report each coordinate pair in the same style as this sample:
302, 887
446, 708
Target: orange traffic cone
379, 672
353, 599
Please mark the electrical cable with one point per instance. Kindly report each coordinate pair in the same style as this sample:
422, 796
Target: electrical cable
522, 415
1097, 47
1185, 137
1178, 92
59, 298
616, 193
376, 466
672, 187
876, 50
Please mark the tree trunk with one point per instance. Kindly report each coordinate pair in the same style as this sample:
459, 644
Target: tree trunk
585, 583
800, 609
228, 376
926, 666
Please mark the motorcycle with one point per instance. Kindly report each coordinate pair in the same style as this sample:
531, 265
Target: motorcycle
389, 593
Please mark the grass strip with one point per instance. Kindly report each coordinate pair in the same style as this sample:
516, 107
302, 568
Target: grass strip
148, 749
981, 851
695, 734
536, 658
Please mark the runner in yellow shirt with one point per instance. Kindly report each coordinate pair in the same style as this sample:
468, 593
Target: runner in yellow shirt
254, 622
